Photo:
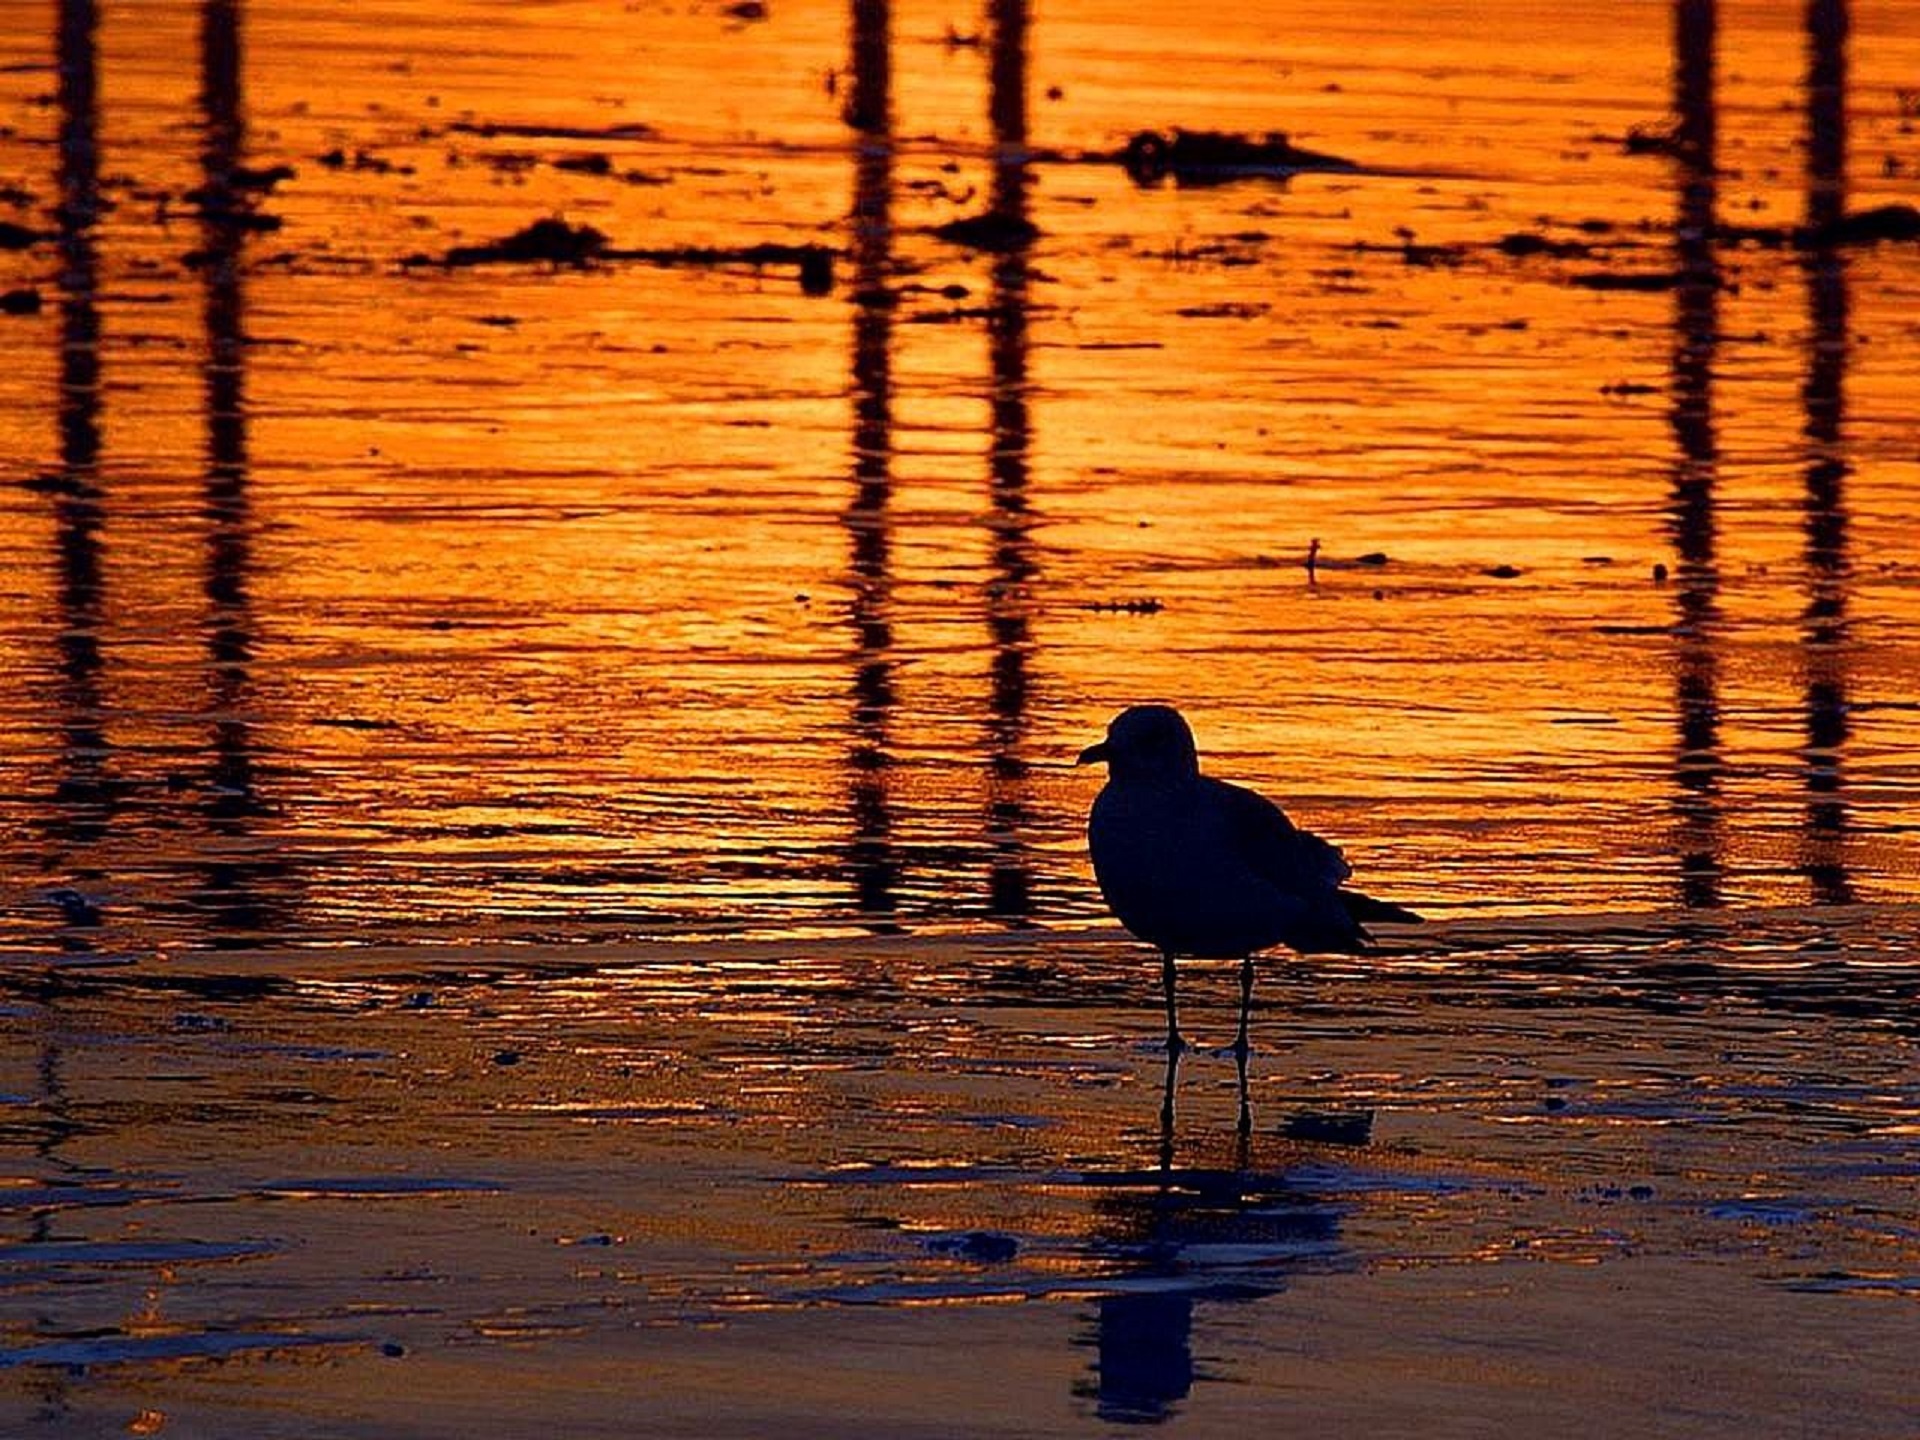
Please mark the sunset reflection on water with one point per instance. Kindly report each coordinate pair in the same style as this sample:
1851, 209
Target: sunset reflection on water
388, 614
358, 599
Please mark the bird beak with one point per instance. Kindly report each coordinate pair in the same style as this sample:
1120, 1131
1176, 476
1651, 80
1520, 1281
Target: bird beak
1093, 755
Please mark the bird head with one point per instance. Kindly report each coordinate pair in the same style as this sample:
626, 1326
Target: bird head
1147, 743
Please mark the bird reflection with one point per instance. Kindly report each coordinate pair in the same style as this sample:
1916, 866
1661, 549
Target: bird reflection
1009, 596
83, 796
1166, 1225
1698, 765
872, 854
1823, 860
1144, 1359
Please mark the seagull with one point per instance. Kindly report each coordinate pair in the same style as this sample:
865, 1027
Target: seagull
1195, 866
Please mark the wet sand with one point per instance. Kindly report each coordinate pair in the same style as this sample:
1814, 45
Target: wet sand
541, 883
1640, 1168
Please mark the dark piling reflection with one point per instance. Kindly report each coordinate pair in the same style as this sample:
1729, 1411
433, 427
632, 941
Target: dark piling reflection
1698, 767
83, 795
1007, 105
1824, 632
872, 855
228, 548
1827, 28
233, 894
1010, 595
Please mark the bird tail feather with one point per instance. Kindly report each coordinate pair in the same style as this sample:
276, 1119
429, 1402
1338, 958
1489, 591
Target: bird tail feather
1363, 909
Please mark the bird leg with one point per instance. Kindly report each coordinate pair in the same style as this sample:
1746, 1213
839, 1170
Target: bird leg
1174, 1043
1246, 1108
1246, 1006
1166, 1110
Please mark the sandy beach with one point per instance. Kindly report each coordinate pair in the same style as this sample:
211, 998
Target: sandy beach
1637, 1168
555, 563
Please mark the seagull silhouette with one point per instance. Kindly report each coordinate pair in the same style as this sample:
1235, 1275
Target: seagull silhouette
1195, 866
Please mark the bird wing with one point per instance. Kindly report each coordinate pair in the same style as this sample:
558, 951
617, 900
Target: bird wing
1276, 849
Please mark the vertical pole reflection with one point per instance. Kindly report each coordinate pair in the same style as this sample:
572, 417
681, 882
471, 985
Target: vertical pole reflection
1009, 598
222, 225
1691, 521
230, 893
1827, 27
83, 795
1823, 861
872, 858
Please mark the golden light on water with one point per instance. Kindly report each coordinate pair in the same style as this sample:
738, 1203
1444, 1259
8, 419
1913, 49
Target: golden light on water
551, 589
505, 759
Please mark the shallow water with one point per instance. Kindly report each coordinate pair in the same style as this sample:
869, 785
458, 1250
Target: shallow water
350, 600
400, 627
1646, 1165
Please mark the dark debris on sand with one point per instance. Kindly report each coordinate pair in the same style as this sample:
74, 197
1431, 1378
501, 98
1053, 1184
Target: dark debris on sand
1883, 223
551, 240
489, 129
984, 1247
1331, 1127
1215, 157
995, 233
556, 242
812, 263
363, 161
1412, 251
1524, 245
1641, 281
233, 197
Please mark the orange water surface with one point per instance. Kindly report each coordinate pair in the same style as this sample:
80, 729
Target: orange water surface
397, 619
353, 596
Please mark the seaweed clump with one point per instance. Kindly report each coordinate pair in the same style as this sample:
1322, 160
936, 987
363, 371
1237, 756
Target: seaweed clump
551, 240
1214, 157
